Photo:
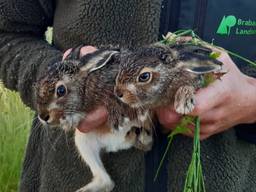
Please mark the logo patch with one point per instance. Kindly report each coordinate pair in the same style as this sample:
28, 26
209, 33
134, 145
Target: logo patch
226, 24
237, 26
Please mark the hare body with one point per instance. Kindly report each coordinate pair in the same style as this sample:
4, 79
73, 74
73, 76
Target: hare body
89, 85
159, 75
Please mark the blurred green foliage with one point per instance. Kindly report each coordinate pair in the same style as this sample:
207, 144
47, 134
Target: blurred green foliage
15, 123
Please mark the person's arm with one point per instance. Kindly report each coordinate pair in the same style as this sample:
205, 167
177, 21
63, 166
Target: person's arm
222, 105
24, 53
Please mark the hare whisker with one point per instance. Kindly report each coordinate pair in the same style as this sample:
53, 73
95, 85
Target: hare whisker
66, 139
46, 131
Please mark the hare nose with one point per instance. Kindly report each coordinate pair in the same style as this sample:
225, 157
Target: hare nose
119, 93
44, 116
138, 130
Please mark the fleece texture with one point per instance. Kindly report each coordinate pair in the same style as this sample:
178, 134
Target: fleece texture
51, 162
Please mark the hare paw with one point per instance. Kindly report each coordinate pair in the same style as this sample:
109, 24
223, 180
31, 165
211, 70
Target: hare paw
143, 138
184, 102
98, 185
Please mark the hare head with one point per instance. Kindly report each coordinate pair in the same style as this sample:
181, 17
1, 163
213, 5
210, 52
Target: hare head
59, 92
147, 73
52, 91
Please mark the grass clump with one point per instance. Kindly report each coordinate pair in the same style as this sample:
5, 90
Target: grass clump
15, 123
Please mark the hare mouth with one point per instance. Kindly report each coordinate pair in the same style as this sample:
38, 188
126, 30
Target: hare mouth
50, 121
131, 102
136, 105
141, 104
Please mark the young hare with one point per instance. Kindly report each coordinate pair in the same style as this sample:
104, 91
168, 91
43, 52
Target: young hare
76, 86
160, 75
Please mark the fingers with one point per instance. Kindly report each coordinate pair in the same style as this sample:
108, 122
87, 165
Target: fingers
66, 53
167, 117
93, 120
84, 50
209, 98
87, 49
205, 131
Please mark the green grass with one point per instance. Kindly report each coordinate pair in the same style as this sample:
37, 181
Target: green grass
15, 122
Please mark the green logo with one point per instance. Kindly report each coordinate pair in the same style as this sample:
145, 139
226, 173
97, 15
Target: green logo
242, 27
226, 24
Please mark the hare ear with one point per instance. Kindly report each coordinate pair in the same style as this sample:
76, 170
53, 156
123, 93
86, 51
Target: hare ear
199, 64
75, 53
197, 60
96, 60
196, 49
203, 69
106, 58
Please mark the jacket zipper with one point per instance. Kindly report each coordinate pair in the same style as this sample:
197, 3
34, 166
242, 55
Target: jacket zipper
199, 18
169, 16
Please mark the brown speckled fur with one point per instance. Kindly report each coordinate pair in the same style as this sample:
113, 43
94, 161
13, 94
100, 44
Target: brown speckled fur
85, 91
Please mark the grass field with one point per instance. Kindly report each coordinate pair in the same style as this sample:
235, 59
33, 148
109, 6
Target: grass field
15, 122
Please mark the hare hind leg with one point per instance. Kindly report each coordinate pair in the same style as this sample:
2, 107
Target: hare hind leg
89, 149
141, 137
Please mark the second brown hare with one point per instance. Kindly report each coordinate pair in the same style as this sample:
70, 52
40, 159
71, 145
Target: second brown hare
160, 75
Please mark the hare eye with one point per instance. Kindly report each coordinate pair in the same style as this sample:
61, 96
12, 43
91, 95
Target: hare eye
144, 77
61, 91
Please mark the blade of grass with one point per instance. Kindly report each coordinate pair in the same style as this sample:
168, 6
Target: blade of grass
179, 129
163, 158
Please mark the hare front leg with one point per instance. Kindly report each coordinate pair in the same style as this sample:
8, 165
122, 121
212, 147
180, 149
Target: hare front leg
184, 102
89, 149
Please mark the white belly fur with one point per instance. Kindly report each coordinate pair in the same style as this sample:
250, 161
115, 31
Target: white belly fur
91, 144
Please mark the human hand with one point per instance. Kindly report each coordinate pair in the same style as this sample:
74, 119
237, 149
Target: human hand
83, 51
99, 116
227, 102
222, 105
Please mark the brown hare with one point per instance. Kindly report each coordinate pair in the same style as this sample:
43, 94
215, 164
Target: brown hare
76, 86
160, 75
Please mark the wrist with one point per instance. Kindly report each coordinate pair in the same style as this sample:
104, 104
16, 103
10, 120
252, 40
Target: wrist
252, 99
